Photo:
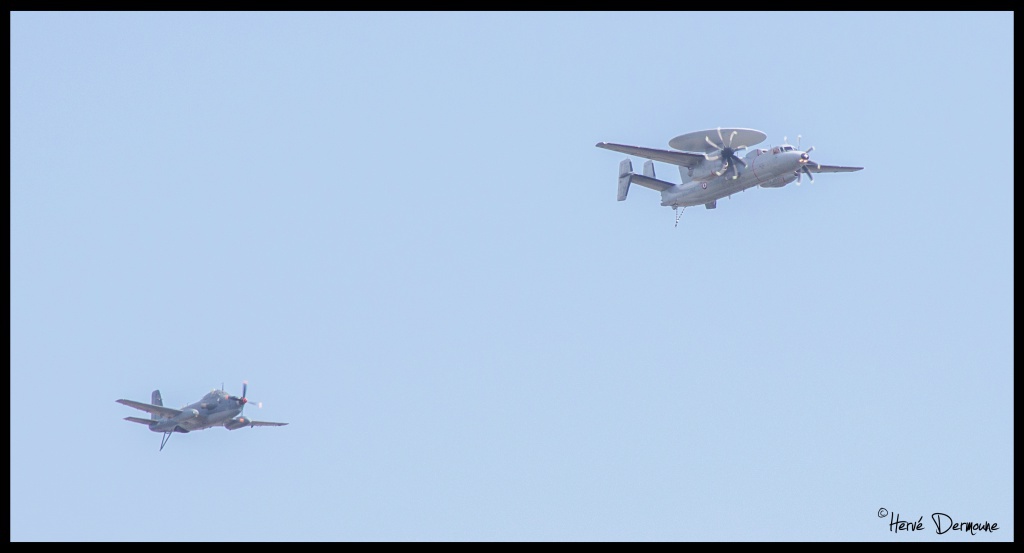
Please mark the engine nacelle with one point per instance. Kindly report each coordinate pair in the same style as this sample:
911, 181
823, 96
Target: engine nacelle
779, 182
236, 423
705, 170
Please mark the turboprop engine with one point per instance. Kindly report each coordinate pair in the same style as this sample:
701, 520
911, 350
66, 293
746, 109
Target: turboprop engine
236, 423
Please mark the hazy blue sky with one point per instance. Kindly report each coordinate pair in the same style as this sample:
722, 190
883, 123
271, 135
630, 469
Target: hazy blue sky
397, 228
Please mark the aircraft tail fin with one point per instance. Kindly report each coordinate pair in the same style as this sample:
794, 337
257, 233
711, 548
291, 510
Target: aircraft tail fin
627, 176
649, 169
625, 172
156, 400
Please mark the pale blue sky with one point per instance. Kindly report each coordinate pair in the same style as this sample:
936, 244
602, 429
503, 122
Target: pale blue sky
397, 228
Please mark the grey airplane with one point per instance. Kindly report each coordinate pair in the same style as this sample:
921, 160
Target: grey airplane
711, 170
217, 408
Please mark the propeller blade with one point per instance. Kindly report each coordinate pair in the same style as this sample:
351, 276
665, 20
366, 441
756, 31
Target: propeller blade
809, 150
798, 175
712, 143
245, 384
740, 161
720, 139
731, 136
711, 158
808, 171
735, 171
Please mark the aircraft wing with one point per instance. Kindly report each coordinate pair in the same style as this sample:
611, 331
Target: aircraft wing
261, 423
668, 156
815, 168
154, 409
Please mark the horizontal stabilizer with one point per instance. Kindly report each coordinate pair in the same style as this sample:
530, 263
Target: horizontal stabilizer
160, 410
627, 176
653, 184
146, 422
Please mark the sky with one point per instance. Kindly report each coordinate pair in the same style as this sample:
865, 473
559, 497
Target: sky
397, 229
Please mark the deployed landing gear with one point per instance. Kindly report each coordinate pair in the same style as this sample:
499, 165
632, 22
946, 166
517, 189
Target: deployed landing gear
679, 213
163, 441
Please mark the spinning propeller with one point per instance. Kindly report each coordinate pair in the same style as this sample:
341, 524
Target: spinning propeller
726, 152
805, 159
242, 400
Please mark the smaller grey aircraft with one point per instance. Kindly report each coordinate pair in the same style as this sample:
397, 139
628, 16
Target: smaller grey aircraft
217, 408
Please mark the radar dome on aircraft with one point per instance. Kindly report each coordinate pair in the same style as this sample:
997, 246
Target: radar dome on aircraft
716, 139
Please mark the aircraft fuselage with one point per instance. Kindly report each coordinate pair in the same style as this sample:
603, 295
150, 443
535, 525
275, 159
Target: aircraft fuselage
766, 169
215, 409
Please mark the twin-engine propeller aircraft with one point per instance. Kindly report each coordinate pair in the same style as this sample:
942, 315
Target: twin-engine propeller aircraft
217, 408
710, 168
